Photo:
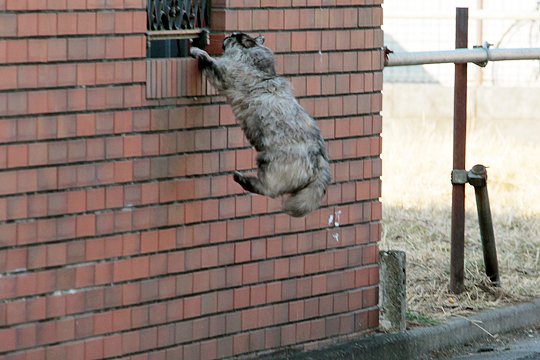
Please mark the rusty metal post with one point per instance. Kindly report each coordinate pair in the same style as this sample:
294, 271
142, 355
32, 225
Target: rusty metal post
478, 178
457, 235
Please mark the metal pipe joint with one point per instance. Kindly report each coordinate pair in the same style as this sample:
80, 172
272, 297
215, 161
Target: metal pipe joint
477, 176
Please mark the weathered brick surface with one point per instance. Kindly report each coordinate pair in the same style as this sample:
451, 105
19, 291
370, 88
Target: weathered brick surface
122, 232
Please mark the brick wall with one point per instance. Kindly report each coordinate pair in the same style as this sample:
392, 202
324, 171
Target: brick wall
121, 229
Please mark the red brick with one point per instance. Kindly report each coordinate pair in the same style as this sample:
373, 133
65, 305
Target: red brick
17, 103
86, 225
123, 171
193, 259
193, 211
67, 23
93, 348
27, 24
244, 21
57, 51
36, 309
112, 345
8, 130
56, 254
272, 337
313, 41
192, 351
114, 48
292, 19
9, 339
296, 310
8, 78
276, 20
373, 319
17, 155
122, 120
37, 206
192, 306
311, 18
288, 334
235, 232
139, 17
175, 262
105, 22
242, 252
201, 281
76, 251
260, 19
86, 23
103, 72
54, 5
209, 349
303, 331
240, 343
8, 235
281, 268
17, 51
96, 48
250, 319
15, 312
123, 72
134, 46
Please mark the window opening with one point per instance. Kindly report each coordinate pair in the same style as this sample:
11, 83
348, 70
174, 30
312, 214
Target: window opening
174, 24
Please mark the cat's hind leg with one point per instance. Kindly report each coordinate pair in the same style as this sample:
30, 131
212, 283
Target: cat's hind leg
252, 184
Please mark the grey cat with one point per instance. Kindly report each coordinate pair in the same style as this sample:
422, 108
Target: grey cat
291, 155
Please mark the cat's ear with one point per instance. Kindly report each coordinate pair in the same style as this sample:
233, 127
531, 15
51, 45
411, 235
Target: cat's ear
259, 40
246, 41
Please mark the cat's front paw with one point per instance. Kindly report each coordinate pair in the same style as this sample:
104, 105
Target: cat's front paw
197, 53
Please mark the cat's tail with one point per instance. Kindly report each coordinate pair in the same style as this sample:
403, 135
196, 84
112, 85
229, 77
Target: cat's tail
307, 199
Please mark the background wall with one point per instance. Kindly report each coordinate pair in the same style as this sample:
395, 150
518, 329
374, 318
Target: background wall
121, 229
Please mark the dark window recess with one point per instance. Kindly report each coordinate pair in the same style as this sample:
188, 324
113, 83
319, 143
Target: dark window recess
174, 24
168, 48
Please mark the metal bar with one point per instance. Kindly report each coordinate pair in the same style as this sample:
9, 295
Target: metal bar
479, 37
461, 56
473, 14
457, 235
478, 179
174, 34
486, 232
513, 54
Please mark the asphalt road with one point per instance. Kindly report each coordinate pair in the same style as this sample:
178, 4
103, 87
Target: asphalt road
520, 345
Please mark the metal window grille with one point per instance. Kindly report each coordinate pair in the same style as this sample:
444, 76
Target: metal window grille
173, 24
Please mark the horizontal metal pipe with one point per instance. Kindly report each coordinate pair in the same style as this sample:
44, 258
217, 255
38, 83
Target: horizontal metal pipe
474, 14
461, 56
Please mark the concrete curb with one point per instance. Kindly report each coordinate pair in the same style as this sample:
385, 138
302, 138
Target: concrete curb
420, 342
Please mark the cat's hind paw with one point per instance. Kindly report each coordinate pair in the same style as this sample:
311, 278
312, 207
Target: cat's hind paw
239, 178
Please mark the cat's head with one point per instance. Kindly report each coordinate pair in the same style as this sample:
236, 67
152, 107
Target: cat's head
242, 40
250, 49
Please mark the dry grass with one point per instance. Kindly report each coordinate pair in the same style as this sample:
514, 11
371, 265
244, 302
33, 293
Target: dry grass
417, 160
